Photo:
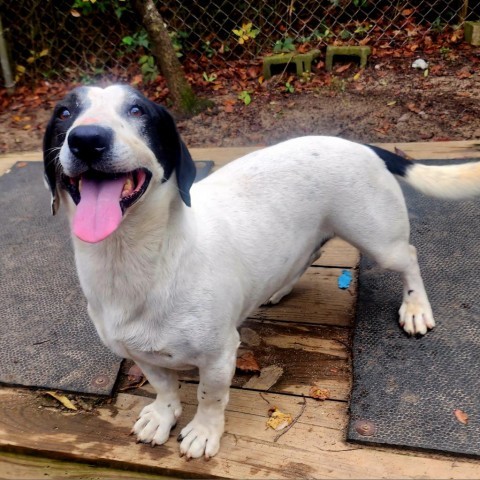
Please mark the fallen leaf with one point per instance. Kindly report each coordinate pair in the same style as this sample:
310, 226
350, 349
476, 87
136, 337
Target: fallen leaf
74, 13
278, 420
319, 393
21, 164
137, 79
135, 374
253, 72
63, 400
343, 68
413, 108
247, 363
464, 73
461, 416
392, 103
357, 76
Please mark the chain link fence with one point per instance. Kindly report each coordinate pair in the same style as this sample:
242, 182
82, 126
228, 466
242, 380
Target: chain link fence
79, 39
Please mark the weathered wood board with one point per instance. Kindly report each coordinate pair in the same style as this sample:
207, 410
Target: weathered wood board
312, 448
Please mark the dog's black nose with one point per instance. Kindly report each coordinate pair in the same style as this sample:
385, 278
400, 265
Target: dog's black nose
90, 142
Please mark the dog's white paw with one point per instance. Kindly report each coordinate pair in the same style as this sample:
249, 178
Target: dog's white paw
201, 437
155, 423
416, 316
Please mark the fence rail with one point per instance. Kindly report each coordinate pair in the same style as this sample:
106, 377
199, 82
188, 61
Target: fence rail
83, 38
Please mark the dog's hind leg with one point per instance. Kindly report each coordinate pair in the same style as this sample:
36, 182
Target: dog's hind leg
382, 233
415, 314
284, 291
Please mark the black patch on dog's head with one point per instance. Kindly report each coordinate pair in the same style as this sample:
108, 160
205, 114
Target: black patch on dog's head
54, 137
161, 133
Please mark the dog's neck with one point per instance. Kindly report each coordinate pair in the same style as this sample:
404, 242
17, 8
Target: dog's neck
144, 251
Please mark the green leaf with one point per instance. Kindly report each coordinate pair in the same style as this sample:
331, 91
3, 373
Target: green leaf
245, 97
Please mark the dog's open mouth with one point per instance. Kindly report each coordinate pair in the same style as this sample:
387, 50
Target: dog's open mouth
102, 199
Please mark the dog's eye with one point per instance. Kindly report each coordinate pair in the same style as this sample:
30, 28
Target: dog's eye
135, 111
64, 114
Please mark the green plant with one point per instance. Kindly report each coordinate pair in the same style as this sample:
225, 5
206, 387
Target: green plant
148, 67
177, 39
34, 56
360, 3
284, 45
246, 33
444, 51
317, 35
86, 7
362, 29
346, 35
138, 39
437, 25
289, 88
209, 78
207, 49
245, 97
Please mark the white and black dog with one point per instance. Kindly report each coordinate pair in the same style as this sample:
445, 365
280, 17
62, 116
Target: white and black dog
171, 270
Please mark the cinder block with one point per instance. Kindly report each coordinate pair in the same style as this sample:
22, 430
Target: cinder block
303, 62
472, 33
358, 51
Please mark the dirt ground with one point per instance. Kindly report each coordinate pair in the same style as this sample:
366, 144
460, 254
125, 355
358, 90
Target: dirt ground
388, 102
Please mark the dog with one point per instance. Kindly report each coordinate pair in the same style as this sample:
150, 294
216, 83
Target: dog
171, 269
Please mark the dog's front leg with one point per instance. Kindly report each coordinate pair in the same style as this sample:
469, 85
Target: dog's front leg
202, 435
157, 419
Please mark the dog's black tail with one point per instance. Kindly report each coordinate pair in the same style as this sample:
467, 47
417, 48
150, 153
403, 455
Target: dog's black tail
449, 181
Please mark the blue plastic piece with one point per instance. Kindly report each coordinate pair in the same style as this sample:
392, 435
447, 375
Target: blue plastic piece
345, 279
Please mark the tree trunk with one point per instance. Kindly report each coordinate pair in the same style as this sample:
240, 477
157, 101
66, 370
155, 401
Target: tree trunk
182, 95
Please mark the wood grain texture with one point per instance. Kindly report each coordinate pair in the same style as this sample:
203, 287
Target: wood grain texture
28, 467
338, 253
312, 448
297, 357
304, 341
223, 155
316, 299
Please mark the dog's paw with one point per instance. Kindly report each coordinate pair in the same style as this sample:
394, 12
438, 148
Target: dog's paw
416, 316
155, 423
200, 438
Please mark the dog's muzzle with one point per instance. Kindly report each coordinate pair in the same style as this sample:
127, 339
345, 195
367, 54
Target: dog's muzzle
90, 143
101, 194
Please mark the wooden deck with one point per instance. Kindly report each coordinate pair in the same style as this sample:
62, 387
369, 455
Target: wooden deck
302, 342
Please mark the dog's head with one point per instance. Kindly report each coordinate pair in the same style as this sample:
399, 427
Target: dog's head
106, 147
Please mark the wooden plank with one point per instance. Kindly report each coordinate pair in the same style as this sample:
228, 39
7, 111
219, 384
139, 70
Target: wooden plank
223, 155
312, 448
14, 466
317, 299
300, 357
338, 253
437, 150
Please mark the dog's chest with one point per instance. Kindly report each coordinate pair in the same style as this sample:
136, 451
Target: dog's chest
144, 339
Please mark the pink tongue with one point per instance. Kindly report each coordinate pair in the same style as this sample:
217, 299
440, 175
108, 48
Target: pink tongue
98, 214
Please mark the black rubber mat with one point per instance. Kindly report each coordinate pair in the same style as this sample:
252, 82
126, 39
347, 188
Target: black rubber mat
406, 390
46, 337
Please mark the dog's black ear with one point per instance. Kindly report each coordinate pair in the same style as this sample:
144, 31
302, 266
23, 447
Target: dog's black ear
50, 153
178, 156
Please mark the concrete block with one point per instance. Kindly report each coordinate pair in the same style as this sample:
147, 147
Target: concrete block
357, 51
472, 33
303, 62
